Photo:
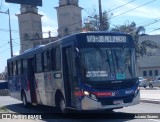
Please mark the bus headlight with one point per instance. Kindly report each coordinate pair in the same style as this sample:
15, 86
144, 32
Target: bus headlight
92, 96
86, 93
137, 91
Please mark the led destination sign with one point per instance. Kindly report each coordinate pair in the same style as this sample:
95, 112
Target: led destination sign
110, 39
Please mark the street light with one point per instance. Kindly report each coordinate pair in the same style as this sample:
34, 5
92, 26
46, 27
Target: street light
10, 34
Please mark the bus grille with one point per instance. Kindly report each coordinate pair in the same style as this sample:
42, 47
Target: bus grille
115, 86
109, 101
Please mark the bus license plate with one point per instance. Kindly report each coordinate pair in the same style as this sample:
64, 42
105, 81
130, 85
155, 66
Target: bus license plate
118, 102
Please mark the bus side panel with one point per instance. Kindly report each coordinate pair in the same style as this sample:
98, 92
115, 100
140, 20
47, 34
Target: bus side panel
14, 83
40, 90
25, 87
47, 85
52, 86
49, 88
17, 84
57, 84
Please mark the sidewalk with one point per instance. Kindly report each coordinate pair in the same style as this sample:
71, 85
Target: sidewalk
150, 95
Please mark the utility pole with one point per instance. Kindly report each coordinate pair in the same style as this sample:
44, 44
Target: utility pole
10, 33
100, 16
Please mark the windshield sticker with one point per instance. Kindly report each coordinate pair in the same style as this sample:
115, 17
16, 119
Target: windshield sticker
120, 76
96, 74
112, 39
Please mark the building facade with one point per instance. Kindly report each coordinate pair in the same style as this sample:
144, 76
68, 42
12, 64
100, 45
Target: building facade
30, 25
149, 65
69, 17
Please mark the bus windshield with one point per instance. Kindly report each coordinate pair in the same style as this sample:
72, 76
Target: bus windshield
107, 63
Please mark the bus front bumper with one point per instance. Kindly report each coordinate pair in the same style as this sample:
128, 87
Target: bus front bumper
90, 104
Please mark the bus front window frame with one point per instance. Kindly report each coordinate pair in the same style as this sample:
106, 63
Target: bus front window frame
113, 66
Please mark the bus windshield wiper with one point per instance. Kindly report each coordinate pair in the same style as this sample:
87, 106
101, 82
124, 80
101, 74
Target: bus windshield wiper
108, 60
99, 50
113, 63
117, 63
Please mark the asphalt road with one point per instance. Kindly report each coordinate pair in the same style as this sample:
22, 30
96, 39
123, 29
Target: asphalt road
130, 114
50, 114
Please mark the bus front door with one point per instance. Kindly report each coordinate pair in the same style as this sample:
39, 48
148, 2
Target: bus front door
69, 75
32, 80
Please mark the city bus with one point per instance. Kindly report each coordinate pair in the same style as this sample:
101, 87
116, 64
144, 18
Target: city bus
84, 71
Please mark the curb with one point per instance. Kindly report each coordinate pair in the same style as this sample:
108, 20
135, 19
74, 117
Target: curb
150, 101
4, 92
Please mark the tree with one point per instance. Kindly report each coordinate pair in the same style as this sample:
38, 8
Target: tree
91, 23
135, 31
142, 48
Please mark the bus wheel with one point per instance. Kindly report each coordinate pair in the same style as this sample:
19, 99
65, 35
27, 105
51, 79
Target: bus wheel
62, 105
24, 100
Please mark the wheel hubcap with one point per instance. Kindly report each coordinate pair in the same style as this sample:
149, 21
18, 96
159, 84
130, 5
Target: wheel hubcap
24, 100
62, 105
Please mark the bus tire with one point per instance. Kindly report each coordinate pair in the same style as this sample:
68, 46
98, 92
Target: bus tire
24, 100
60, 103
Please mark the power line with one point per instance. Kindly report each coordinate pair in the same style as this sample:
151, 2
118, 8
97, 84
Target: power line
155, 21
4, 40
74, 31
18, 44
147, 21
4, 44
21, 44
7, 49
120, 13
117, 6
16, 31
110, 18
82, 28
121, 5
109, 10
133, 9
6, 30
4, 50
130, 9
156, 29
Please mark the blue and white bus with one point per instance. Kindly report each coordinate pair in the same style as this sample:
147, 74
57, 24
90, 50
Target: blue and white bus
85, 71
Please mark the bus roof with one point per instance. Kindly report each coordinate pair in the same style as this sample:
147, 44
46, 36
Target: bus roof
66, 39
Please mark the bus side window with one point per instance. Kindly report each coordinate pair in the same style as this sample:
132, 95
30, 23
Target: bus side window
11, 68
46, 61
38, 63
14, 68
56, 59
24, 66
8, 68
19, 67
